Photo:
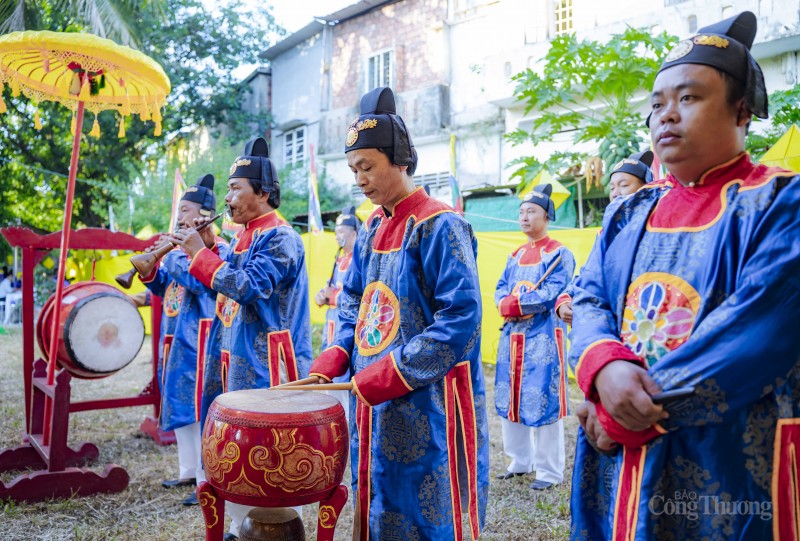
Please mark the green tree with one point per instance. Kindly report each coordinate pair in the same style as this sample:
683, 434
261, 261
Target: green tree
294, 193
593, 89
784, 111
198, 47
106, 18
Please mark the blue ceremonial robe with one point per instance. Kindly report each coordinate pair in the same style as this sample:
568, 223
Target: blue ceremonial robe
262, 323
701, 286
531, 374
409, 317
188, 310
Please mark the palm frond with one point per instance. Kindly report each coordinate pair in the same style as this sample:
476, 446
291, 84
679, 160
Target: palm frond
12, 16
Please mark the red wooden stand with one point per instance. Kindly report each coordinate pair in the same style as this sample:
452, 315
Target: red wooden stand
213, 505
59, 468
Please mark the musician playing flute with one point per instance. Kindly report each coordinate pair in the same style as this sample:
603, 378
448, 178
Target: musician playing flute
188, 310
694, 284
409, 329
531, 395
260, 336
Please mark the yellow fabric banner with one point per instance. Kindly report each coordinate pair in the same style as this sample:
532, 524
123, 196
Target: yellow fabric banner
493, 252
320, 256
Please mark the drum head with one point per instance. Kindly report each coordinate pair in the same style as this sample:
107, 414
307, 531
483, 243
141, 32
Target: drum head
104, 333
274, 401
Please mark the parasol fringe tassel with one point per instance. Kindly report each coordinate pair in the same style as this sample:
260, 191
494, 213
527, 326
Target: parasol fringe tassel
85, 91
144, 114
72, 125
37, 121
95, 132
126, 107
15, 88
3, 108
121, 132
157, 131
157, 114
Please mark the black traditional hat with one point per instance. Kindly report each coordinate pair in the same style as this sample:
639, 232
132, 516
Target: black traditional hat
379, 126
540, 195
637, 164
203, 194
726, 46
348, 217
255, 164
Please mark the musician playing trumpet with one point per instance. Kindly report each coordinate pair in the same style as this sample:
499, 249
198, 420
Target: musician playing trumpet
261, 333
188, 309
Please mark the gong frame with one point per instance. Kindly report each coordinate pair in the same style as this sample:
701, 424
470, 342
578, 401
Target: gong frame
59, 468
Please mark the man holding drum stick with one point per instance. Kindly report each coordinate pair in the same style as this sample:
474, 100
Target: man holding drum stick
261, 334
409, 329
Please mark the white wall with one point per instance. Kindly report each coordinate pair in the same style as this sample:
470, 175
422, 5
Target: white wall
296, 92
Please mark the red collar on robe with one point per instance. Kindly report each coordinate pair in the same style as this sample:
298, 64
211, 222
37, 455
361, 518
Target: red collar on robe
265, 222
344, 261
531, 252
417, 205
692, 209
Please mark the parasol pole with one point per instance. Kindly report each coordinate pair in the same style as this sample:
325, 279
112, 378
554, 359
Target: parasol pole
62, 267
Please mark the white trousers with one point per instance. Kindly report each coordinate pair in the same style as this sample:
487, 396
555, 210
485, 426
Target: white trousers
11, 300
187, 438
539, 449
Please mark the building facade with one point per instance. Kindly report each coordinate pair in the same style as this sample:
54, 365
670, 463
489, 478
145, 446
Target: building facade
450, 63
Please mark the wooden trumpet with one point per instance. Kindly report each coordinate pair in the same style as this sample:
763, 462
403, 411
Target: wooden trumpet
144, 263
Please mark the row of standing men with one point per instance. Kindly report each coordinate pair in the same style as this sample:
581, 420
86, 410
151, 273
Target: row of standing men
684, 272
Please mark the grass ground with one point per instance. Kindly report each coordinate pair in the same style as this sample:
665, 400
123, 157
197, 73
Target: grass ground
145, 511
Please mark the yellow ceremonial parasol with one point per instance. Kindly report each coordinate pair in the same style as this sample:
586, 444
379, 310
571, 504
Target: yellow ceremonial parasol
80, 71
560, 193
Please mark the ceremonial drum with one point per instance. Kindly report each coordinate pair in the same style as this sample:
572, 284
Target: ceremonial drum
100, 330
274, 448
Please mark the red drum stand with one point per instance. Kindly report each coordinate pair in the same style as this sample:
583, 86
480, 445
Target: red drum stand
59, 468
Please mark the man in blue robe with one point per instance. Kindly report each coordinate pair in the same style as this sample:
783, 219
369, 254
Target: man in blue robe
261, 334
531, 394
409, 330
694, 283
188, 310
